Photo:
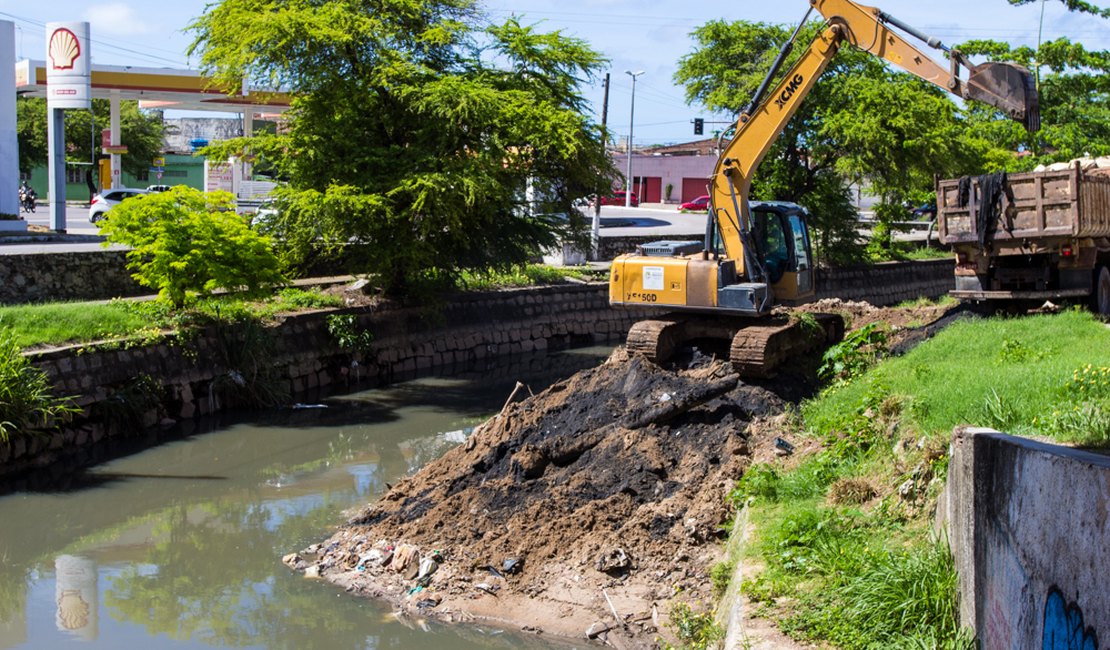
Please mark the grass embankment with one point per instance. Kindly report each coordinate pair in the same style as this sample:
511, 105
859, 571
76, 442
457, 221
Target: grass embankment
83, 322
844, 534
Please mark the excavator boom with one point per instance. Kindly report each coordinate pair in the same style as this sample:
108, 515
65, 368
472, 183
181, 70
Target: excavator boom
1006, 86
757, 255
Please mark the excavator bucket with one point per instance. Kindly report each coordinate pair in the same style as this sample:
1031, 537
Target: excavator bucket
1008, 87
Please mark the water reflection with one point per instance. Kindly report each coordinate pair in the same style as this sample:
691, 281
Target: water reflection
76, 595
179, 546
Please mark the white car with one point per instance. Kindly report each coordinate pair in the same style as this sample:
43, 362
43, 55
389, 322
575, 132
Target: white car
104, 201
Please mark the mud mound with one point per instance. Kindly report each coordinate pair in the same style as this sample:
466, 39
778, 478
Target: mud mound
904, 322
582, 510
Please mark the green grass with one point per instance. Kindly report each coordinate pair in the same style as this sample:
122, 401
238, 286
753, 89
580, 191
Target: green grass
1011, 374
848, 554
55, 324
85, 322
524, 276
70, 322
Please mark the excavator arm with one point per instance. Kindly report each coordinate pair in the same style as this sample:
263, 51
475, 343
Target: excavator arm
1005, 86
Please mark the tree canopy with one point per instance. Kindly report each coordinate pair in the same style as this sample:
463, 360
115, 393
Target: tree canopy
1072, 5
434, 142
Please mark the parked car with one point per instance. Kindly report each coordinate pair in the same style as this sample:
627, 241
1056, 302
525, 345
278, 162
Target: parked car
617, 198
157, 188
106, 200
924, 212
700, 204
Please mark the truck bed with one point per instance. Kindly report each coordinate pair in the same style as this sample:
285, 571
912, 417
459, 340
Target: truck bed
1044, 205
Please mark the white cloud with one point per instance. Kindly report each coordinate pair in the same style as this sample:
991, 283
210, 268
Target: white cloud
116, 19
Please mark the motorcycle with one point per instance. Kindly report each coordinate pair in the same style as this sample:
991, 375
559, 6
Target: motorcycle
27, 200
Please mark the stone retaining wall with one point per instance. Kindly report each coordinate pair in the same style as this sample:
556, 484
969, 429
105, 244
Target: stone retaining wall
220, 369
208, 372
888, 283
42, 277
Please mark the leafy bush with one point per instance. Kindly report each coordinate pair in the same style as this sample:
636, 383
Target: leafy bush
26, 399
187, 243
347, 333
721, 574
855, 354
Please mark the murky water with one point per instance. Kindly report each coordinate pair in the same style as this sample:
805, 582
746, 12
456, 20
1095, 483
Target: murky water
179, 546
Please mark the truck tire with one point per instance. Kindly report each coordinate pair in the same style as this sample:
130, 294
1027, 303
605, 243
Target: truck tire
1101, 298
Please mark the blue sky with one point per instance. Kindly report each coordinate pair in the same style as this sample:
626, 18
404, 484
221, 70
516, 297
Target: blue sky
648, 35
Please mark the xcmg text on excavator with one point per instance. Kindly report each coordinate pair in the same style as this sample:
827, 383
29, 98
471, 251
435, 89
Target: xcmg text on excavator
756, 255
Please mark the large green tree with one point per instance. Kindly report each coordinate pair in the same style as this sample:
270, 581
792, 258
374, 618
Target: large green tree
1072, 5
139, 131
414, 131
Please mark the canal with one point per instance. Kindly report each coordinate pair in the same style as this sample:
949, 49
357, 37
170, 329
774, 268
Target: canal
179, 545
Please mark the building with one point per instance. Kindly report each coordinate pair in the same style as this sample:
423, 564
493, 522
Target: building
182, 167
670, 174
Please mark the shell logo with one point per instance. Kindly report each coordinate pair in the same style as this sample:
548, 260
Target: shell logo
64, 49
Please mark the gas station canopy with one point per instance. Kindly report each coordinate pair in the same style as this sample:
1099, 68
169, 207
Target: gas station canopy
156, 88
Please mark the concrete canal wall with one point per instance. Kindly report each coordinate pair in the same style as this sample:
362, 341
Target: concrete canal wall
1029, 525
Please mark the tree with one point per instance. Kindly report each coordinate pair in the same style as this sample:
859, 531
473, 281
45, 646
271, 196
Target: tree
1072, 5
413, 132
186, 243
141, 133
1074, 90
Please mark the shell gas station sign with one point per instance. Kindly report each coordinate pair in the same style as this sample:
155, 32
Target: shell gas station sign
67, 65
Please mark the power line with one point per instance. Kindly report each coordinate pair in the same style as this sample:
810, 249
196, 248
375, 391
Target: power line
106, 44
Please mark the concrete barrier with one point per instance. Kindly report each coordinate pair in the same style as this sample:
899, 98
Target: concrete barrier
1029, 526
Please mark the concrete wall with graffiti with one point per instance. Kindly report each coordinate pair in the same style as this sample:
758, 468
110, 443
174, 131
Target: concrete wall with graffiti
1029, 525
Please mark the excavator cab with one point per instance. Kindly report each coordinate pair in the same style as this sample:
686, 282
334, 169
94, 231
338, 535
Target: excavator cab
780, 234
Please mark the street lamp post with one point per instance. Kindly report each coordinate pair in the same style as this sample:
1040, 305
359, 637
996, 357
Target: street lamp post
631, 123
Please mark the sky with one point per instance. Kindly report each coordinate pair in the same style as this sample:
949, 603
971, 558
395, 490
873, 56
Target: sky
634, 35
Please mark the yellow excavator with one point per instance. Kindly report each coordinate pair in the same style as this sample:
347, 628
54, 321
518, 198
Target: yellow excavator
757, 254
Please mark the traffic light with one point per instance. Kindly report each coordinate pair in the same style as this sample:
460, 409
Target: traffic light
699, 126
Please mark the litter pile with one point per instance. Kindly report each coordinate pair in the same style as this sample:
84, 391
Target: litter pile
581, 511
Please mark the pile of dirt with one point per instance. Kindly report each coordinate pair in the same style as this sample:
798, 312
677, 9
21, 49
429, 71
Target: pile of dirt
588, 509
581, 511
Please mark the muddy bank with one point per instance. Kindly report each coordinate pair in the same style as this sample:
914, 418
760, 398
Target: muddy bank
583, 510
587, 510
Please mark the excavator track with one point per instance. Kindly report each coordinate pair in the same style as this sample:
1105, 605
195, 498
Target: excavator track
756, 347
759, 349
656, 339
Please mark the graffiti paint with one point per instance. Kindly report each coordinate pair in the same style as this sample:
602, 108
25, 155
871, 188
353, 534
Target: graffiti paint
1063, 625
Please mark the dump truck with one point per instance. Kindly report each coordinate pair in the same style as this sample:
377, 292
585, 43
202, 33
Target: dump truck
757, 255
1026, 238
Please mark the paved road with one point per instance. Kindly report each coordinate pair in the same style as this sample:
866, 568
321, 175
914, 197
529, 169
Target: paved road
666, 222
77, 218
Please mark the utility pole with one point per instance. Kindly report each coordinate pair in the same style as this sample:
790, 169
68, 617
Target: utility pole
631, 124
595, 231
